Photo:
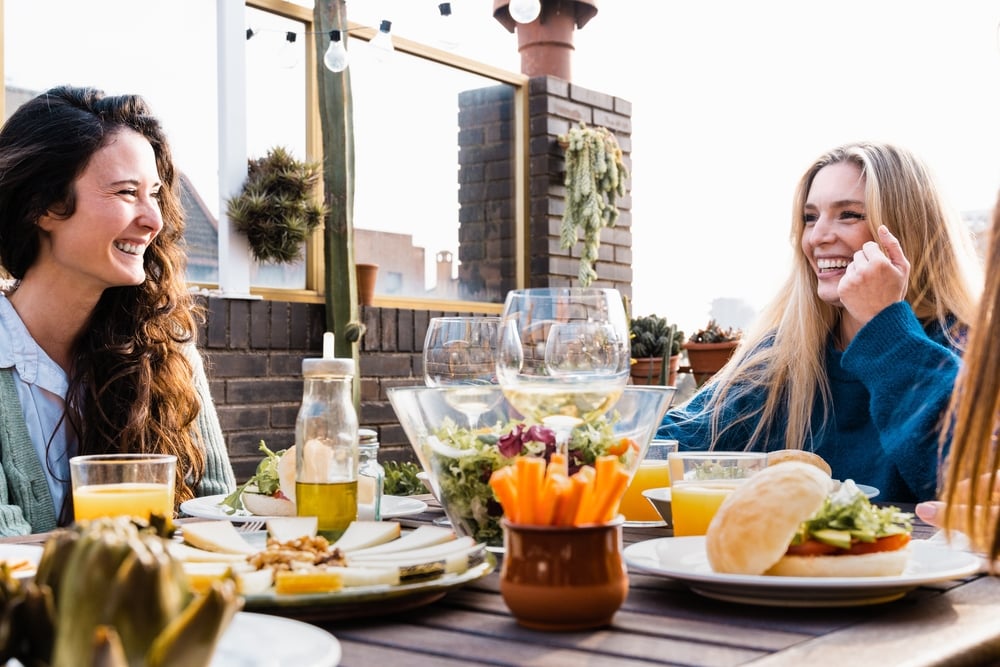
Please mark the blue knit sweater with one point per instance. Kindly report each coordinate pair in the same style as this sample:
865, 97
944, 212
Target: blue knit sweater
890, 388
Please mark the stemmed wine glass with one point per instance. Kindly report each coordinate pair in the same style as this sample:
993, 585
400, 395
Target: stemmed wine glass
460, 352
564, 355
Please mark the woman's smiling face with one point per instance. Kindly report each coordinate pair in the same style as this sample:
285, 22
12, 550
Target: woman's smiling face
117, 216
835, 225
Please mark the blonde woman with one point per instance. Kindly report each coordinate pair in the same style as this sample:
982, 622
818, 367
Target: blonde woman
856, 356
972, 483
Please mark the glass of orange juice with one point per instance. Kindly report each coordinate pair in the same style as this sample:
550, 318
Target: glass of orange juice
653, 473
701, 481
136, 485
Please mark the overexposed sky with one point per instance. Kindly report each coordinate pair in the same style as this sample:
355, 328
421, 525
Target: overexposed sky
731, 102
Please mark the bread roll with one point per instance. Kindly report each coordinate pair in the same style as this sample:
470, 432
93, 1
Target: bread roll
801, 455
754, 525
877, 564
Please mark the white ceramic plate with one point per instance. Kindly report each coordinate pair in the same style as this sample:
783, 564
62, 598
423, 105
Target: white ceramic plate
366, 601
208, 507
18, 552
259, 639
684, 559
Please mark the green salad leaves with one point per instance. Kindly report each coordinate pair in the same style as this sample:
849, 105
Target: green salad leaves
847, 516
463, 461
265, 480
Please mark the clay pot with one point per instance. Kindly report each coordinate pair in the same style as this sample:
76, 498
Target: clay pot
367, 274
563, 578
647, 370
706, 359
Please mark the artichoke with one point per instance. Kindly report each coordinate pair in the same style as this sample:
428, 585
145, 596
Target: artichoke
110, 595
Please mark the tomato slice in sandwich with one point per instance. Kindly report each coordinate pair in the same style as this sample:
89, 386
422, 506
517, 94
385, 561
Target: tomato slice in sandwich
817, 548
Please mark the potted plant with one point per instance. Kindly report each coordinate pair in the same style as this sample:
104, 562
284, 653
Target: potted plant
709, 349
278, 208
653, 340
595, 178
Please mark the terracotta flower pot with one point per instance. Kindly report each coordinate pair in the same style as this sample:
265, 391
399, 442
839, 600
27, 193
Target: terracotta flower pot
367, 274
706, 359
563, 578
647, 370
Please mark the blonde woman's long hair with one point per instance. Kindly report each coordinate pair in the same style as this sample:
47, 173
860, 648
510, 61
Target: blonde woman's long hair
971, 491
783, 354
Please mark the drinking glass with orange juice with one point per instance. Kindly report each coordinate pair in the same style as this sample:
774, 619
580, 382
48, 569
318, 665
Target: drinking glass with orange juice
136, 485
653, 473
701, 481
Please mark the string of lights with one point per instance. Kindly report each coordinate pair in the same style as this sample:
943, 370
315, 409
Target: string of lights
335, 58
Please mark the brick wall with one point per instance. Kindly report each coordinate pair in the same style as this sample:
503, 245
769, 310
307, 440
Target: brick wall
254, 349
254, 352
555, 106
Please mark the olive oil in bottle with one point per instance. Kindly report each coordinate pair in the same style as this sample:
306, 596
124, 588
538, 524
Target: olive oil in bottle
326, 443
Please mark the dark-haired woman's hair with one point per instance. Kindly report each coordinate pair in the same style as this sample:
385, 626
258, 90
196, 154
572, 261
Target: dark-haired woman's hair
130, 387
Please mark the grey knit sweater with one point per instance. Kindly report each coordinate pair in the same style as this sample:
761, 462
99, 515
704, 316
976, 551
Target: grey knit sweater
25, 502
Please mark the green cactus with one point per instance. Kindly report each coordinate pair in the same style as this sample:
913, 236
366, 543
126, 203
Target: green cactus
713, 333
651, 336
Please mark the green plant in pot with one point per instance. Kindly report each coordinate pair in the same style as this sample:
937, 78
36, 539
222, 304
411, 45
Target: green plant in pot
596, 176
656, 348
709, 349
278, 208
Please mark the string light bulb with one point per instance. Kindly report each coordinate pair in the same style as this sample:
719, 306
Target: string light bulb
288, 56
382, 39
447, 30
524, 11
335, 58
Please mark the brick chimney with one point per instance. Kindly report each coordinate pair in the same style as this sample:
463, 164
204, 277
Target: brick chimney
546, 44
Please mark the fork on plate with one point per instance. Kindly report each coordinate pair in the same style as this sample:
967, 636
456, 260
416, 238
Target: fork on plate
250, 526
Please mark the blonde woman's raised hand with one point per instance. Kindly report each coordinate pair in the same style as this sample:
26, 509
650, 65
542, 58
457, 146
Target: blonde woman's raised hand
877, 277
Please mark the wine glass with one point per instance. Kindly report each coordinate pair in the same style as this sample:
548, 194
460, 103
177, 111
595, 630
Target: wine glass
564, 355
460, 352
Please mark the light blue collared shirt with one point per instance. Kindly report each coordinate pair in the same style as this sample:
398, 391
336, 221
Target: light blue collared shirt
41, 387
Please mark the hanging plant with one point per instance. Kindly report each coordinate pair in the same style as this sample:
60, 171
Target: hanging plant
595, 178
276, 209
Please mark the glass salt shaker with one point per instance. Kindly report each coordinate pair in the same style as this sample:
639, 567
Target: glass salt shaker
371, 476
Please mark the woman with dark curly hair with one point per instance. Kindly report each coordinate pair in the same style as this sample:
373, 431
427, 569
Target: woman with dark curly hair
97, 327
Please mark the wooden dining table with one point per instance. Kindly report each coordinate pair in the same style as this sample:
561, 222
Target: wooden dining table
663, 622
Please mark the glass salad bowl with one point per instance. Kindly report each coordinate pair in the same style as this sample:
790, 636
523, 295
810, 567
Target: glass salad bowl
459, 459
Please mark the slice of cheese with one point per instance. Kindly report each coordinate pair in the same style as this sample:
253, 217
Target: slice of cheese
289, 582
249, 581
367, 534
367, 576
429, 553
286, 529
188, 554
220, 536
413, 566
423, 536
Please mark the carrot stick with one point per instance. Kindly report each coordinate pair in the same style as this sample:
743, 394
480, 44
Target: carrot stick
606, 504
586, 476
569, 501
552, 492
530, 476
557, 462
504, 484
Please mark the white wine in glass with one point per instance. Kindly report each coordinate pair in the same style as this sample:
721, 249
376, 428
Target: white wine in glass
460, 353
564, 355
